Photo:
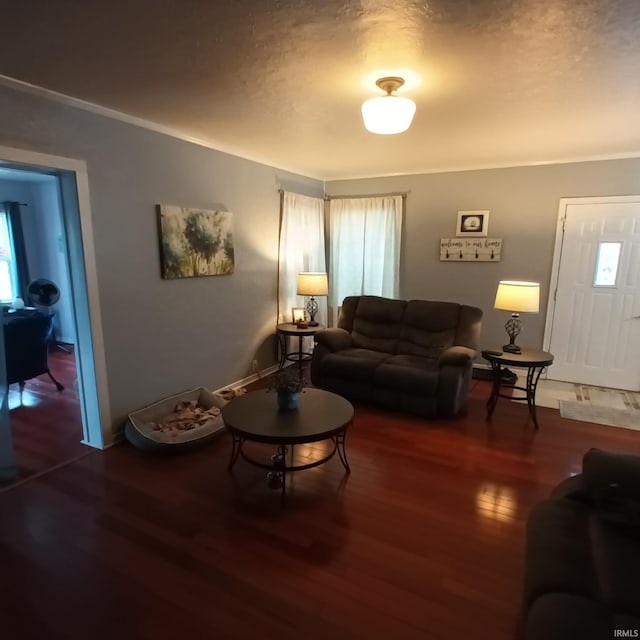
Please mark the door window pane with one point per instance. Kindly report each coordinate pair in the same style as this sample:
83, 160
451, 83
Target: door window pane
607, 264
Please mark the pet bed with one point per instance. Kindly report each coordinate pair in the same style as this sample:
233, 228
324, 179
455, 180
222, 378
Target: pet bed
144, 428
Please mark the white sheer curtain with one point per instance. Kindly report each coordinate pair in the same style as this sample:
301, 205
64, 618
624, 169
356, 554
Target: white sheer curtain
364, 235
301, 249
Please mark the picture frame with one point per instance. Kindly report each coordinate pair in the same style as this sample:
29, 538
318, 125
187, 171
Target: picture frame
194, 242
297, 313
472, 224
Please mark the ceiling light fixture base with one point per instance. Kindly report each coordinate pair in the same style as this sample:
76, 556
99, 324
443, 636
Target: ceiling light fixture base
389, 84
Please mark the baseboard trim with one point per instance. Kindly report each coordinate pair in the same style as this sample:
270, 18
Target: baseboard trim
249, 379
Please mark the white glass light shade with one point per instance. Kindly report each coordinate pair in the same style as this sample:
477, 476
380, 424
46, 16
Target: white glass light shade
518, 297
388, 114
312, 284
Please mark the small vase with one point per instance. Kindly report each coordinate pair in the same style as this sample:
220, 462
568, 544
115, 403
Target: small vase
288, 401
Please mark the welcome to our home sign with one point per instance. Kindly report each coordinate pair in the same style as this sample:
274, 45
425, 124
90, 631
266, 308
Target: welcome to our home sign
470, 249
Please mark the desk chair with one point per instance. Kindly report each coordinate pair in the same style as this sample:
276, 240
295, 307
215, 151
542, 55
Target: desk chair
26, 343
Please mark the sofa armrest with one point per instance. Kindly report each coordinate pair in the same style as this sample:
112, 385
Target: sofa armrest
603, 470
457, 356
333, 339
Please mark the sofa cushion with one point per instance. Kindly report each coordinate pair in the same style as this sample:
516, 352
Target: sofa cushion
410, 374
616, 557
564, 616
609, 470
571, 549
559, 550
377, 323
428, 328
468, 329
358, 364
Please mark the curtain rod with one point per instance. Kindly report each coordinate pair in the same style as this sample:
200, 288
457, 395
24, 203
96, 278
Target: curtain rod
22, 204
404, 194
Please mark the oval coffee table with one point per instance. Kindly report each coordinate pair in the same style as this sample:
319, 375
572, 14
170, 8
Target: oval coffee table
255, 417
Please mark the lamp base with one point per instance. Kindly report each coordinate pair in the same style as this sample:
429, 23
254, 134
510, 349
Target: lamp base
511, 348
312, 323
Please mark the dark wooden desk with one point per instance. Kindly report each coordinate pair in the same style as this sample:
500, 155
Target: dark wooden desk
534, 360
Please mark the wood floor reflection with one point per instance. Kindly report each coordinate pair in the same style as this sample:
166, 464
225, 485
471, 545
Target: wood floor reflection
46, 424
423, 540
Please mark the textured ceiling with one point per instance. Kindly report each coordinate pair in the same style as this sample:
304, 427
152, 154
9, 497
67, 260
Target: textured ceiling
496, 82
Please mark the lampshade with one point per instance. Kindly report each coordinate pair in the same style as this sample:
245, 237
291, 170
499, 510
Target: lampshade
518, 297
312, 284
388, 114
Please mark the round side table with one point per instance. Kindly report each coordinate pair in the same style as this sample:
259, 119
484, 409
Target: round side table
534, 360
290, 329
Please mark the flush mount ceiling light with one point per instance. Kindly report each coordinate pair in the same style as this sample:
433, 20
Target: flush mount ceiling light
388, 114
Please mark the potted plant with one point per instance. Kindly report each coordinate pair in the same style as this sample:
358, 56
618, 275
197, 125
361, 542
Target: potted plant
288, 384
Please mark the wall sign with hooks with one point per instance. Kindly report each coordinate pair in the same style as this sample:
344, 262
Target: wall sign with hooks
470, 249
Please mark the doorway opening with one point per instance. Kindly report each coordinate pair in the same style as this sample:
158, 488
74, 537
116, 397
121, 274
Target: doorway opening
78, 319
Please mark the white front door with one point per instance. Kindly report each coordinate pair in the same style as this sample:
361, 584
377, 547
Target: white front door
593, 326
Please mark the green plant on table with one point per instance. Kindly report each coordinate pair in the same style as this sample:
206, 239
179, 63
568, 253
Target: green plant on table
287, 381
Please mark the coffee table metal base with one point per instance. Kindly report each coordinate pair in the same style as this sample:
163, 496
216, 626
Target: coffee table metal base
278, 469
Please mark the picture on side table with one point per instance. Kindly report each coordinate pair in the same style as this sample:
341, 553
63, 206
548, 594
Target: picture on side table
297, 314
473, 224
195, 242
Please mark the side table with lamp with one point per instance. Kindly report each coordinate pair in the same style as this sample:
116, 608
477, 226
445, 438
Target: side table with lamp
312, 284
517, 297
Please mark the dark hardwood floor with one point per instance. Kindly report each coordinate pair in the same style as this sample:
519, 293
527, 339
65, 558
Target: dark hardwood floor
46, 424
423, 540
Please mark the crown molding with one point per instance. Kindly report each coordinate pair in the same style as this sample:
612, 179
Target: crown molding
84, 105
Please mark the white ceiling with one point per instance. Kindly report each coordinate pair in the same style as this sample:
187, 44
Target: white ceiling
496, 82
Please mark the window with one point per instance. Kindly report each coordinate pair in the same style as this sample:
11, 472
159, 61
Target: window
7, 262
607, 264
301, 249
364, 239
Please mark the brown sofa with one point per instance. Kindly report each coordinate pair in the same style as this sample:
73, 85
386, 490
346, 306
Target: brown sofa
413, 356
583, 554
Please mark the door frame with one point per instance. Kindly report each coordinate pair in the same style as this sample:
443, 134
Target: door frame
78, 231
563, 205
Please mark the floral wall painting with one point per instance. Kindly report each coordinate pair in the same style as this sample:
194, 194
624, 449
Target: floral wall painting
195, 242
472, 223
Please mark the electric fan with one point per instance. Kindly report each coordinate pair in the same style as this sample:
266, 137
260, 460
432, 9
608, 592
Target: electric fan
43, 293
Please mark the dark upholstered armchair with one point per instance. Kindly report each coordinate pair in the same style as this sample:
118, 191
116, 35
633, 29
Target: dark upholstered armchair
583, 554
413, 356
27, 335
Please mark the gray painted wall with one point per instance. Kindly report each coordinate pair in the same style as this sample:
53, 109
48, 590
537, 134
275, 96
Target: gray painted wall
523, 204
165, 336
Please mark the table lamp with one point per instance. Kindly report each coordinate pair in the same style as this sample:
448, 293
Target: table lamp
312, 284
517, 297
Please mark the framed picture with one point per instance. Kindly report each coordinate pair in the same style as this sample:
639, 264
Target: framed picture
473, 224
297, 313
195, 242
